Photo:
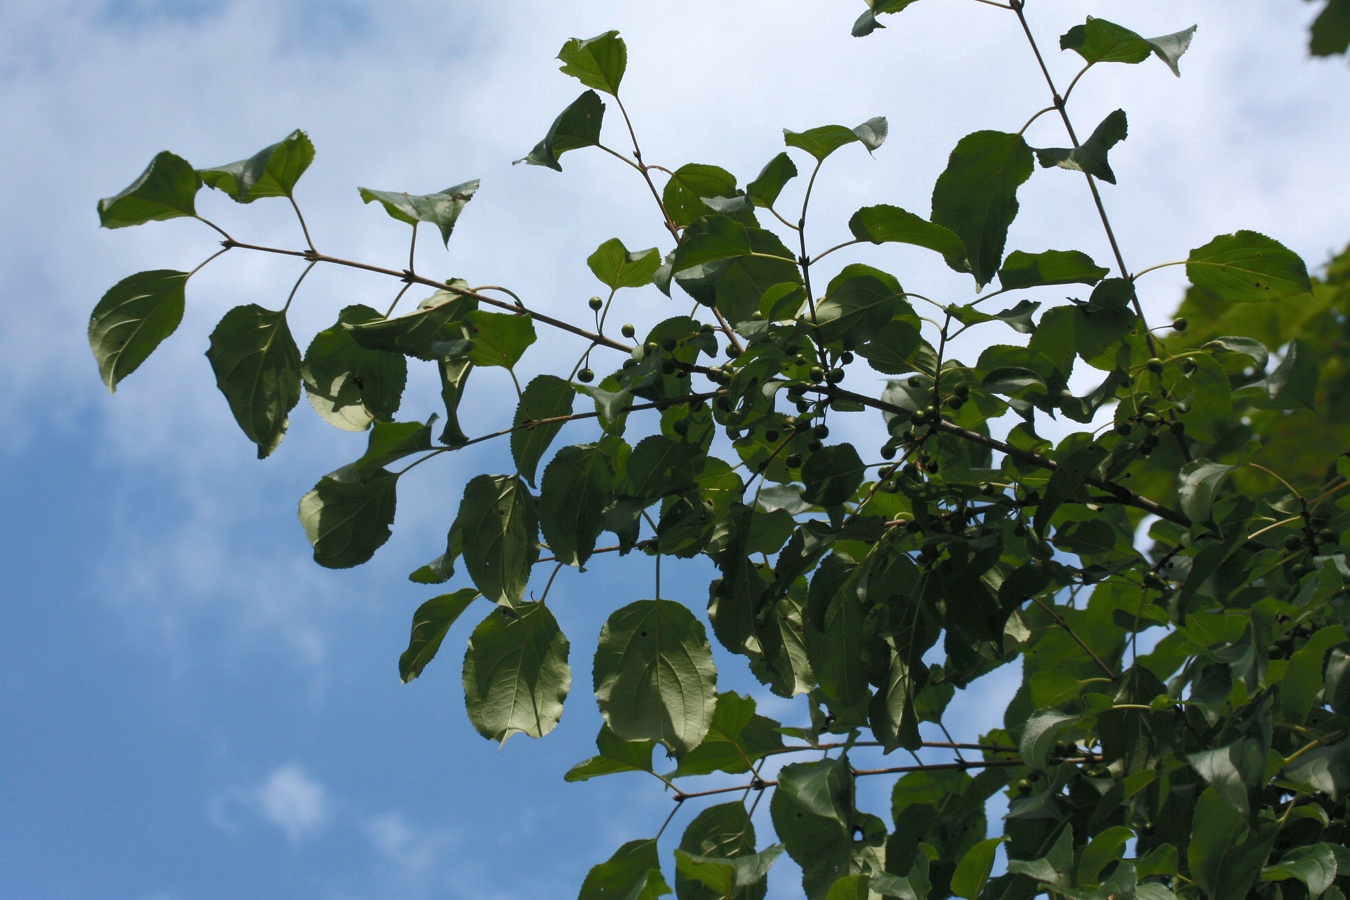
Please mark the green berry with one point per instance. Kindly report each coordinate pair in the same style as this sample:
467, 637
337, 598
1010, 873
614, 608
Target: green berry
835, 376
887, 452
1155, 366
681, 427
596, 303
628, 330
817, 374
1180, 325
822, 431
846, 357
585, 376
1177, 428
794, 461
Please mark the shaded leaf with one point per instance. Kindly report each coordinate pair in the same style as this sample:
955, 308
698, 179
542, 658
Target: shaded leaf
1040, 735
616, 267
578, 126
721, 832
578, 484
1330, 31
616, 755
350, 386
737, 738
430, 624
257, 368
728, 877
1090, 156
766, 187
516, 675
868, 23
499, 526
545, 397
454, 373
832, 474
859, 302
597, 62
654, 675
271, 172
689, 185
1315, 865
1102, 41
1198, 483
167, 189
441, 209
821, 142
632, 873
499, 339
972, 872
814, 816
1024, 270
891, 224
132, 319
348, 520
1226, 855
1246, 267
976, 196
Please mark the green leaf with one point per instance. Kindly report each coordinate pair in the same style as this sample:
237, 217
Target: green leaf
859, 302
766, 187
728, 877
736, 739
821, 142
500, 527
654, 675
545, 397
1040, 735
891, 710
832, 474
132, 319
891, 224
1303, 679
814, 816
271, 172
441, 209
615, 756
616, 267
1313, 864
867, 22
1024, 270
257, 368
1105, 848
425, 333
722, 832
499, 339
388, 442
972, 872
1246, 267
1226, 855
578, 484
577, 127
1232, 770
1078, 458
976, 196
1090, 156
348, 520
632, 873
914, 886
515, 673
454, 373
1210, 409
683, 195
597, 62
1293, 384
167, 189
1330, 31
1198, 483
1103, 41
430, 624
351, 386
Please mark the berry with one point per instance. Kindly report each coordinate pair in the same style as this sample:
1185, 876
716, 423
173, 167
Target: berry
846, 357
1155, 365
628, 331
681, 427
1180, 325
887, 452
1177, 428
822, 431
794, 461
585, 376
596, 303
835, 376
817, 374
1123, 428
1190, 367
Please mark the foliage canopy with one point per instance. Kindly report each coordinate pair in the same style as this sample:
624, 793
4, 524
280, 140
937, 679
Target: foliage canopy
1182, 725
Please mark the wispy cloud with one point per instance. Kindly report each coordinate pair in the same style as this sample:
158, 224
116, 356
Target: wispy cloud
288, 799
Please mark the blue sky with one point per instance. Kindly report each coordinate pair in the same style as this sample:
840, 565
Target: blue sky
189, 707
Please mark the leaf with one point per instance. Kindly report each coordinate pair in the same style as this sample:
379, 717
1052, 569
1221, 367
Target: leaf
891, 710
1210, 410
578, 484
500, 527
689, 185
632, 873
813, 813
1024, 270
654, 675
441, 209
1103, 41
891, 224
545, 397
616, 267
1090, 156
1313, 864
424, 333
1198, 483
766, 187
499, 339
615, 756
1232, 770
578, 126
976, 196
1078, 458
346, 521
1106, 847
1226, 855
972, 872
351, 386
597, 62
867, 22
1330, 31
821, 142
728, 877
737, 738
516, 675
430, 624
388, 442
454, 373
1040, 735
271, 172
832, 475
167, 189
1245, 267
257, 368
722, 832
1293, 384
859, 302
132, 319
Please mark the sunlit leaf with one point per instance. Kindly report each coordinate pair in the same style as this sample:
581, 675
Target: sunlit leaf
823, 141
499, 339
167, 189
578, 126
1024, 270
350, 386
1103, 41
1090, 156
132, 319
516, 675
616, 755
441, 209
597, 62
1246, 267
976, 196
766, 187
632, 873
616, 267
271, 172
891, 224
430, 624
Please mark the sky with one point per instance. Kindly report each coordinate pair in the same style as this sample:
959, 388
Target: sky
189, 706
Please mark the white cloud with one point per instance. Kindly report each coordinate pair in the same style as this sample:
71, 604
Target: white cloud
289, 799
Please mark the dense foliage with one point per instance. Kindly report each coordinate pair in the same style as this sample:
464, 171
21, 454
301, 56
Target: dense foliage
1182, 726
